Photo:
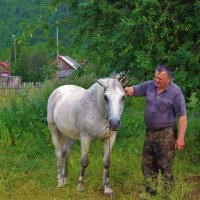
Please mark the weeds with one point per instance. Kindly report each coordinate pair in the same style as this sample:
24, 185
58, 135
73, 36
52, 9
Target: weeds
28, 165
31, 173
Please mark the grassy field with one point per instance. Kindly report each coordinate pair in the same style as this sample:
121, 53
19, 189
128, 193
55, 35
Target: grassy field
28, 171
28, 168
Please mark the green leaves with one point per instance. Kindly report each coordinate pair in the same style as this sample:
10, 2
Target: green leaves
33, 64
134, 36
24, 116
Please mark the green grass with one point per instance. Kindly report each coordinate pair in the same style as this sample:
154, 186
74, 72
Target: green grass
28, 168
29, 171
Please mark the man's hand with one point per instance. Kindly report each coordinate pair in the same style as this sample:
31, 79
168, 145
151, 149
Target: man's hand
129, 91
179, 144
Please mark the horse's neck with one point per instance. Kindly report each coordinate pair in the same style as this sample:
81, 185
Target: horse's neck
96, 93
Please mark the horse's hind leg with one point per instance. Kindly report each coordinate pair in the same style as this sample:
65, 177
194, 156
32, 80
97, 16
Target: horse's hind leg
108, 143
58, 141
65, 155
85, 140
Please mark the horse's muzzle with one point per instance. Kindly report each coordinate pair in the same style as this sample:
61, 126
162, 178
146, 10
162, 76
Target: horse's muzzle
114, 124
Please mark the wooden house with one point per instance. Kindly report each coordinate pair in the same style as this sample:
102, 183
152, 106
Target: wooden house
4, 69
66, 66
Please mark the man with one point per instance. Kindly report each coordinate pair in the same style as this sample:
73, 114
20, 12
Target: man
164, 104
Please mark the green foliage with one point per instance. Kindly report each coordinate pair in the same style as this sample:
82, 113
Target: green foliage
128, 35
121, 35
28, 161
131, 123
29, 170
33, 64
16, 16
5, 136
192, 152
23, 115
137, 36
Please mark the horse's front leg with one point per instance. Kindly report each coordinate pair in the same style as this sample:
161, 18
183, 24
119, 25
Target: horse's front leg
108, 143
85, 140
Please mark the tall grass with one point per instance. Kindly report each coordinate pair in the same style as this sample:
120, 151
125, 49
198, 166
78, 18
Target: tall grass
28, 168
30, 172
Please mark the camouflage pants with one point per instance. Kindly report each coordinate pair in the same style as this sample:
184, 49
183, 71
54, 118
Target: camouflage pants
158, 154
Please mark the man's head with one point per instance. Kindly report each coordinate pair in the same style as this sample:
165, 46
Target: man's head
163, 76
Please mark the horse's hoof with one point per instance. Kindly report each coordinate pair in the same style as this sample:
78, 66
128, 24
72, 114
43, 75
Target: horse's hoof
62, 182
80, 188
108, 190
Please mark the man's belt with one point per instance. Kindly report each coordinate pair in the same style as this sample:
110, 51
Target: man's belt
159, 129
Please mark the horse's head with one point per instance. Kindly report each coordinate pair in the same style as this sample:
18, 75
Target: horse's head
114, 100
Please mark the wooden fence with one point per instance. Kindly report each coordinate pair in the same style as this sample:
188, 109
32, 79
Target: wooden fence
12, 85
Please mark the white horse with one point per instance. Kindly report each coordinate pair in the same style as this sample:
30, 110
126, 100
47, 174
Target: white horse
75, 113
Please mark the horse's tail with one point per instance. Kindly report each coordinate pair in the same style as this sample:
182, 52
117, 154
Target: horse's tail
50, 107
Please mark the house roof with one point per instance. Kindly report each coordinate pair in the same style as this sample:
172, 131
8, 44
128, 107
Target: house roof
69, 61
4, 65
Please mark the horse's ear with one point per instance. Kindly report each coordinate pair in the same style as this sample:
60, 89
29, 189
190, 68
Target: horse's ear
101, 83
123, 81
116, 76
121, 77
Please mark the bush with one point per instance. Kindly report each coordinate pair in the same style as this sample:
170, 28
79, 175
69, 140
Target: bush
24, 116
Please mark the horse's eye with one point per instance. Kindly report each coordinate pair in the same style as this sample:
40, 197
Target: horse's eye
123, 98
105, 97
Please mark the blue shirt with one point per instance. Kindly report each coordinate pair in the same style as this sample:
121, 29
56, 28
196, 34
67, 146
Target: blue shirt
161, 109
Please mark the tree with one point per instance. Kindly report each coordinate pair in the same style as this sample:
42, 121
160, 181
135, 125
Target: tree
33, 64
135, 36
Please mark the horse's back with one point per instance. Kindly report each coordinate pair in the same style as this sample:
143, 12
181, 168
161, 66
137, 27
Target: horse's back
61, 109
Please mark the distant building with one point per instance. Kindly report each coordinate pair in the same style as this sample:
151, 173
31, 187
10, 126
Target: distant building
10, 81
66, 66
4, 69
6, 80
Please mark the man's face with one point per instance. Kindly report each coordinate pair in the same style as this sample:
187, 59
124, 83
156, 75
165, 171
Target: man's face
162, 80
